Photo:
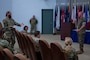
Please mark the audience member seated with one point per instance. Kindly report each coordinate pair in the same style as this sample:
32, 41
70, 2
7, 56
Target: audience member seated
25, 29
71, 53
4, 43
36, 38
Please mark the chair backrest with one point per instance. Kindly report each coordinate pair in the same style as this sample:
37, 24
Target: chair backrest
20, 41
26, 46
19, 57
45, 50
57, 51
31, 44
8, 55
1, 53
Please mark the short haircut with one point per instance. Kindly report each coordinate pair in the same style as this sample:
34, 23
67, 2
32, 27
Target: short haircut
36, 33
68, 40
7, 12
25, 27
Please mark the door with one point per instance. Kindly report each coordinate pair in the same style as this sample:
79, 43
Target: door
47, 21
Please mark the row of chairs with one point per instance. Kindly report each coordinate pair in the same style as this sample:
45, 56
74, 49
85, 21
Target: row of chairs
52, 51
6, 54
26, 44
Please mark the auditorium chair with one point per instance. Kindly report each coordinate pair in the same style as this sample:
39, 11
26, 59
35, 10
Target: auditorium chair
19, 57
8, 55
1, 53
45, 50
57, 51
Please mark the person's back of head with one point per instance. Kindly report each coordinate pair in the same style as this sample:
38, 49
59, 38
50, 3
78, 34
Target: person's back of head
25, 28
37, 34
68, 44
68, 41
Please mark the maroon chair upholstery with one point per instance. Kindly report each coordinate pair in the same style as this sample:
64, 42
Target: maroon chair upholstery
45, 50
24, 44
27, 47
19, 57
19, 40
1, 53
31, 46
57, 51
8, 55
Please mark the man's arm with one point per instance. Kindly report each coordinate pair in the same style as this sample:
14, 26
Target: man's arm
83, 25
15, 23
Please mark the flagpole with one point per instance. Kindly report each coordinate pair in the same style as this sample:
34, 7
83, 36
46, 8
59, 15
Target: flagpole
70, 9
71, 3
89, 6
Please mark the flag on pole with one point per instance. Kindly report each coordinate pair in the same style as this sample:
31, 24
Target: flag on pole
67, 18
86, 14
56, 13
73, 16
62, 15
58, 19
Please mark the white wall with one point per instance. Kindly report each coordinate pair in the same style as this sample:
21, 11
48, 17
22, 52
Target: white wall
23, 10
5, 5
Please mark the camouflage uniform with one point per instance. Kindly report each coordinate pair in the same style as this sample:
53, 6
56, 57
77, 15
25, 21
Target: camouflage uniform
9, 34
70, 52
33, 23
5, 44
81, 33
72, 55
36, 41
24, 31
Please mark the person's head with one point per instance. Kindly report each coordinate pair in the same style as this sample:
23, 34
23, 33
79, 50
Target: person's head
80, 14
8, 14
37, 34
33, 16
25, 28
68, 41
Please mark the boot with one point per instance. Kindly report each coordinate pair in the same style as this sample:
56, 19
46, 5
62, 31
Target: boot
80, 51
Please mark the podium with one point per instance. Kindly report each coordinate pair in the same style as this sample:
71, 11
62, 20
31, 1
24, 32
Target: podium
66, 29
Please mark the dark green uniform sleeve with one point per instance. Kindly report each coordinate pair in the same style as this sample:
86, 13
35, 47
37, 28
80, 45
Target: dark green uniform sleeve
16, 23
5, 23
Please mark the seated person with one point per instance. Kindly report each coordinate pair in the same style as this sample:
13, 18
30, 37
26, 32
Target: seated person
4, 43
25, 29
71, 53
36, 39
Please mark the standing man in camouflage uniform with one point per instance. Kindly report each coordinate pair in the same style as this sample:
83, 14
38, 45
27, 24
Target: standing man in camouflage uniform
25, 29
33, 22
8, 24
81, 31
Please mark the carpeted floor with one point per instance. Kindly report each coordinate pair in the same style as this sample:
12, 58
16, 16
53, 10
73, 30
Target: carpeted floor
56, 38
